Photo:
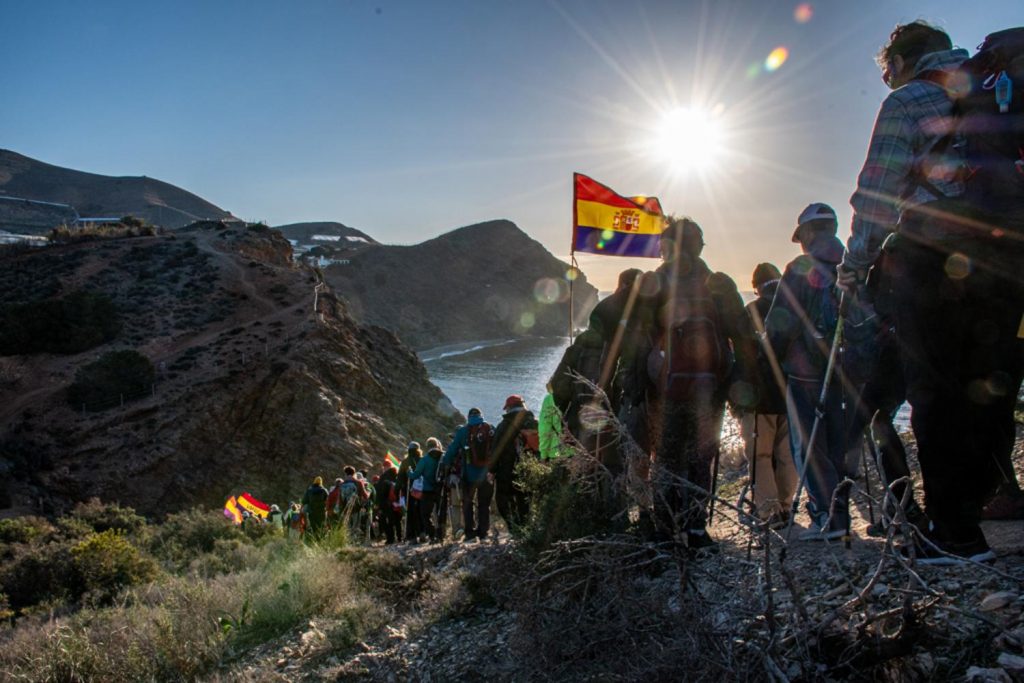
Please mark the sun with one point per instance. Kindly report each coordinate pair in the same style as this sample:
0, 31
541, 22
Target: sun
688, 139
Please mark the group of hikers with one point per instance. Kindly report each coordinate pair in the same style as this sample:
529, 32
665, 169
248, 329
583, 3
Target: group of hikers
923, 304
412, 500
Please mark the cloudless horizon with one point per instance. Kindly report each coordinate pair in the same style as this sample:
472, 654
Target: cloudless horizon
409, 119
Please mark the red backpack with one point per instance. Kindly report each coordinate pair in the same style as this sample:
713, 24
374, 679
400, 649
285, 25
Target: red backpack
478, 442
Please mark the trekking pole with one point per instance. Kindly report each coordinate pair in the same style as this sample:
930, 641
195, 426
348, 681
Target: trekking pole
751, 485
819, 411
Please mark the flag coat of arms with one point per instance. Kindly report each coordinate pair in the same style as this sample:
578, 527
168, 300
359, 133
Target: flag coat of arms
231, 510
256, 507
605, 222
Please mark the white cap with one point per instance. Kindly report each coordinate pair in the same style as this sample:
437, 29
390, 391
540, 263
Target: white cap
814, 212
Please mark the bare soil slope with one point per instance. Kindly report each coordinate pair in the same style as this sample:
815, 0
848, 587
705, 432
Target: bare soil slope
255, 390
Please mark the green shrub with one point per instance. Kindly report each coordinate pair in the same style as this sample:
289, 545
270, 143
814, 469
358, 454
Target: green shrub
75, 323
185, 536
24, 529
107, 562
115, 374
39, 573
105, 516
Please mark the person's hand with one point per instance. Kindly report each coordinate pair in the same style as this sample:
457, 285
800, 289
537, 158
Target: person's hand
490, 477
848, 279
453, 480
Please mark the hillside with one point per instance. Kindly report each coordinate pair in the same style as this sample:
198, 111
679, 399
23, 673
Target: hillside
304, 233
90, 195
253, 390
485, 281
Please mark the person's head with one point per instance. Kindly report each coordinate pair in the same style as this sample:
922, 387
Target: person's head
274, 508
433, 444
349, 470
816, 219
318, 481
414, 447
514, 401
763, 274
907, 44
628, 277
681, 236
474, 412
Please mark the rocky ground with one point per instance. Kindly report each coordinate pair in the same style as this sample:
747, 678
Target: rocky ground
837, 613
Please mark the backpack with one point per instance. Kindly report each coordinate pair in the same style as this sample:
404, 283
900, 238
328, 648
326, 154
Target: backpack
478, 442
692, 349
989, 142
348, 495
528, 441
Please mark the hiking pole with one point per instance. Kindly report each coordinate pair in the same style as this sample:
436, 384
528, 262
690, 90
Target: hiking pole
819, 411
714, 486
752, 485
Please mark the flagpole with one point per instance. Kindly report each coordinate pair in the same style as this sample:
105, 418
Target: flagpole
572, 257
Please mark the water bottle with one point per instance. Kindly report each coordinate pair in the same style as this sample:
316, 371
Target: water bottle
1004, 92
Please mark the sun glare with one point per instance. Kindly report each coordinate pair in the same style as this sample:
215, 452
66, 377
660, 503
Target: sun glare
689, 139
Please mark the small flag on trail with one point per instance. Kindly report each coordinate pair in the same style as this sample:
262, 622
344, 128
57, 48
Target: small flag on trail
608, 223
231, 510
391, 461
256, 507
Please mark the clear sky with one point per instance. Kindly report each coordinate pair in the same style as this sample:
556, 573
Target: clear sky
408, 119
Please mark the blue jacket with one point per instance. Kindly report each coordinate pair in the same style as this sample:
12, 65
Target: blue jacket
427, 468
470, 473
800, 325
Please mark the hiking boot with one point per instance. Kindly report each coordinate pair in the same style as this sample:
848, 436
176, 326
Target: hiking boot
699, 542
1007, 504
934, 548
876, 530
777, 520
817, 533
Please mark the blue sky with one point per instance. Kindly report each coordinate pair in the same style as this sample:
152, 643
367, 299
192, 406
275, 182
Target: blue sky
408, 119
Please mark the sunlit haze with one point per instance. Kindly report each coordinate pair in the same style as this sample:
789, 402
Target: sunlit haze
409, 119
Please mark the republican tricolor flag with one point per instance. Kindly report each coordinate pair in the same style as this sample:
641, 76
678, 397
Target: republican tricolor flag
231, 510
391, 461
256, 507
608, 223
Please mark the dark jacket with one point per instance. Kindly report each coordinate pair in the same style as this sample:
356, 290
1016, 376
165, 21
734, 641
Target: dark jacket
735, 326
407, 466
383, 488
584, 357
771, 397
470, 473
504, 452
802, 320
314, 502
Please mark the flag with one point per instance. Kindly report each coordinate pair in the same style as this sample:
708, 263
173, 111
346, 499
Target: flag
231, 510
608, 223
256, 507
391, 461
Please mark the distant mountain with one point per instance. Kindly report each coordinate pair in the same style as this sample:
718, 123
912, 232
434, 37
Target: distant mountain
484, 281
304, 233
60, 194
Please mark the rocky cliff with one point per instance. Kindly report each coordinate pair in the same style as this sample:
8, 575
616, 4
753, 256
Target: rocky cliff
484, 281
89, 195
254, 390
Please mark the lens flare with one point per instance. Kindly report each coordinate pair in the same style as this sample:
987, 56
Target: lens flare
549, 291
776, 58
572, 274
527, 320
803, 13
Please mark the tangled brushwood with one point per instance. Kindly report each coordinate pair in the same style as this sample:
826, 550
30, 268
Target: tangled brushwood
609, 605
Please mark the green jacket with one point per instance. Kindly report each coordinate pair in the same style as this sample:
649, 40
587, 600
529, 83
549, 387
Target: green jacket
550, 430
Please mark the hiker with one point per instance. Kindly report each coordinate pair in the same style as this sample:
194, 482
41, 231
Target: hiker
294, 521
426, 472
335, 503
799, 328
609, 319
389, 508
636, 390
551, 429
950, 273
275, 517
572, 395
515, 437
701, 324
404, 484
471, 446
314, 507
765, 428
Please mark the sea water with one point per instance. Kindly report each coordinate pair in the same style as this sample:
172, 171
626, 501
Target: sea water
483, 374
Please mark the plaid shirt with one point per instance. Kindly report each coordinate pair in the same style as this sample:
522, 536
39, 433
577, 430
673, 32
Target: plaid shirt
909, 122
